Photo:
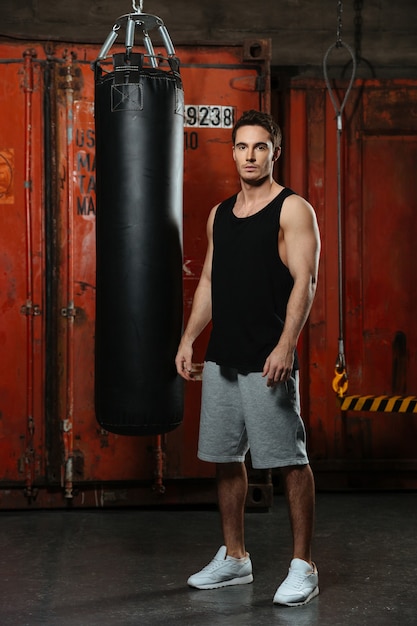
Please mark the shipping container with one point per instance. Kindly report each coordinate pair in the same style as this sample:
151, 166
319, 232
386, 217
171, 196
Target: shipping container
53, 451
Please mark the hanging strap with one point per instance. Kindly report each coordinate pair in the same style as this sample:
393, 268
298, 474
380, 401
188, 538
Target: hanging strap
340, 381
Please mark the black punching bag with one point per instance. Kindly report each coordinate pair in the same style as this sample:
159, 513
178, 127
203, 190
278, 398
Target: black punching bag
139, 162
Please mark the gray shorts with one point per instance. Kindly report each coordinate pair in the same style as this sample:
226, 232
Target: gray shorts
239, 411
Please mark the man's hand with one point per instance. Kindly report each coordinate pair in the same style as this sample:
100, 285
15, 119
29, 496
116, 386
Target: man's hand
278, 366
183, 360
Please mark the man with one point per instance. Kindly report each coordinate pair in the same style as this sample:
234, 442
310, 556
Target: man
257, 286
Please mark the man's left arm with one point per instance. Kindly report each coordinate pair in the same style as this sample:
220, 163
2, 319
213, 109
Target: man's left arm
299, 248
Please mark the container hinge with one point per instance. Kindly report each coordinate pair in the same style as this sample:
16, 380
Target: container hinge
69, 312
30, 309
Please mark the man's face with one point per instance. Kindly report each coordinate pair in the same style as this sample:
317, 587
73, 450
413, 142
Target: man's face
254, 154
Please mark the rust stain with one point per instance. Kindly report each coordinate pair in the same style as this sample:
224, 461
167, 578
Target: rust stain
6, 176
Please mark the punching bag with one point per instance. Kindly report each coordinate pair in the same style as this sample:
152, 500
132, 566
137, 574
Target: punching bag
139, 168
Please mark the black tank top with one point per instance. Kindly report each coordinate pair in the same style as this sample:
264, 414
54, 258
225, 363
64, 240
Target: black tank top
250, 286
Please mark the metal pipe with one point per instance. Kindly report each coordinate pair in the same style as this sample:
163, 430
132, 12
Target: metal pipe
111, 38
130, 34
49, 181
28, 309
147, 42
67, 427
167, 40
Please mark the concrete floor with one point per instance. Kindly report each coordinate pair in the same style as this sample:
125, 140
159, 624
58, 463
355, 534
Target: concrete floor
101, 567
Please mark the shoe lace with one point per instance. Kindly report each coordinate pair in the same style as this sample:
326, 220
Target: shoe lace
295, 579
214, 564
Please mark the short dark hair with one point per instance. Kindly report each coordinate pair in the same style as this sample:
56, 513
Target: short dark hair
259, 118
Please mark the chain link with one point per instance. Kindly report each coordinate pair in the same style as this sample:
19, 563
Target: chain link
358, 5
339, 23
136, 8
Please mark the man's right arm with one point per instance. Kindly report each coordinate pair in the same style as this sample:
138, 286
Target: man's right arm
201, 310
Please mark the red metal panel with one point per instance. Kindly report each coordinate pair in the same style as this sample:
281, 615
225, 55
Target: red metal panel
381, 289
21, 274
379, 280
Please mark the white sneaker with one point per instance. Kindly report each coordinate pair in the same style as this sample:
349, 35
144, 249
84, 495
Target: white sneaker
300, 586
222, 571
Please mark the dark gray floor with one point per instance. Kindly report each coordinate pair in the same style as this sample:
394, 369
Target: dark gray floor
121, 567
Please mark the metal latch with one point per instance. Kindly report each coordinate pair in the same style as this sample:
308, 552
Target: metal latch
69, 311
30, 309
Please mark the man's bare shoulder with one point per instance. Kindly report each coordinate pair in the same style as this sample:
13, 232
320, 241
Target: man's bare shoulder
295, 208
210, 220
213, 212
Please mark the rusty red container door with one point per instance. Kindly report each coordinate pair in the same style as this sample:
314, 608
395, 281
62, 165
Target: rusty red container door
22, 286
379, 191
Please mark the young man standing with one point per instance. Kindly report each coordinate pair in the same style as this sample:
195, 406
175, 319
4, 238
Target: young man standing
257, 286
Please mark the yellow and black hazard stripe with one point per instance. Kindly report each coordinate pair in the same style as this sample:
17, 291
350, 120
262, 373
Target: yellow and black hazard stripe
385, 404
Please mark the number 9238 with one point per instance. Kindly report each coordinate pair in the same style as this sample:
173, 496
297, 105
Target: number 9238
209, 116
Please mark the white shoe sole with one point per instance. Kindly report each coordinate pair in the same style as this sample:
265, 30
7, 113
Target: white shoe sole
242, 580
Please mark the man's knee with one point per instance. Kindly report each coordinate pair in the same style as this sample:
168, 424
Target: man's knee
226, 470
297, 474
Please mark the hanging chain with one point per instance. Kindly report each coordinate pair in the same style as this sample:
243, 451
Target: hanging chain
339, 23
358, 5
136, 8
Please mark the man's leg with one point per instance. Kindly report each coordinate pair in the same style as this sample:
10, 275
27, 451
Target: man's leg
299, 488
231, 565
232, 486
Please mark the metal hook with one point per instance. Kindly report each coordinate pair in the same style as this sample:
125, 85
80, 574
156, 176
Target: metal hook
340, 383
